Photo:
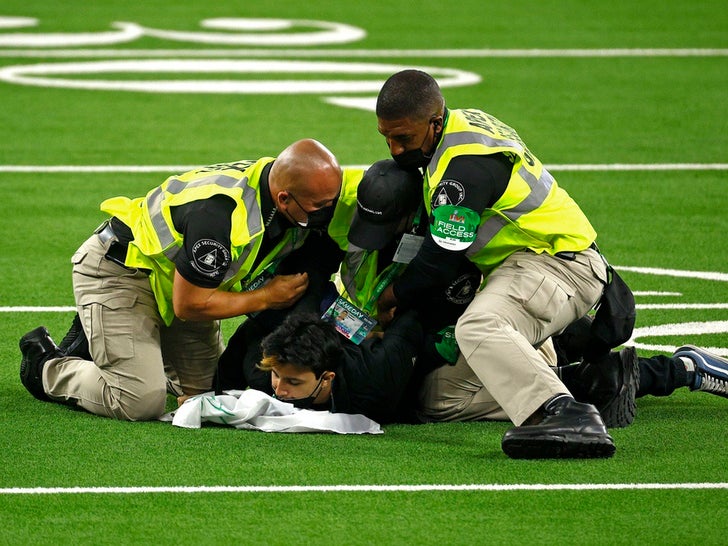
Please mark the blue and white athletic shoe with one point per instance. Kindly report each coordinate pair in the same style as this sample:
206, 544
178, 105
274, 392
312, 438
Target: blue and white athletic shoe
711, 371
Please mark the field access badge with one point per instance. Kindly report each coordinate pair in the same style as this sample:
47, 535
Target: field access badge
453, 227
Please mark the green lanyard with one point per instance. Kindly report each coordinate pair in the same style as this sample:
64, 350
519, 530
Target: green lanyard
391, 272
417, 218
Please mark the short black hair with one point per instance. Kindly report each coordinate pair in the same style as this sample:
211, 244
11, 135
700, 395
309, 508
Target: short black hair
303, 340
410, 94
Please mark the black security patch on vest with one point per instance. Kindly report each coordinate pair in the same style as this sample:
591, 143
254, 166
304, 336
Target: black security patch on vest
462, 290
448, 192
210, 257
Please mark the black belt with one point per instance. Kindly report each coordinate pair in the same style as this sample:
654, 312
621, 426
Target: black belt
570, 255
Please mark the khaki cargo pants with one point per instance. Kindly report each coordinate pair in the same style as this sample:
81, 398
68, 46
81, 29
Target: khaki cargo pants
505, 366
130, 345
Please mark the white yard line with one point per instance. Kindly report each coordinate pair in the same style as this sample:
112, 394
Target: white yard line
31, 309
355, 488
68, 309
373, 53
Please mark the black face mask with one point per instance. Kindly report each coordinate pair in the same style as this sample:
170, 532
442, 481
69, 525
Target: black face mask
305, 402
319, 218
413, 160
316, 219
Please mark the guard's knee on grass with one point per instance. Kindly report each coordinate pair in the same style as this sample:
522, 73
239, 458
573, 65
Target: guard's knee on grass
143, 406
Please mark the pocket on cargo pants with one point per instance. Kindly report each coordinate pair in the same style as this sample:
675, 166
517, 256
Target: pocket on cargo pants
109, 322
542, 297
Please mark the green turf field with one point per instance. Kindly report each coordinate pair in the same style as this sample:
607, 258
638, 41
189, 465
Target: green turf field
624, 101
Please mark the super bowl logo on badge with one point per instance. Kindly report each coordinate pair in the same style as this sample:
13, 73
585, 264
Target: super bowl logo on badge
454, 228
210, 257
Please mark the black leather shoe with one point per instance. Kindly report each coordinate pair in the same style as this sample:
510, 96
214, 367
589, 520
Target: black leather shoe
569, 429
75, 342
37, 347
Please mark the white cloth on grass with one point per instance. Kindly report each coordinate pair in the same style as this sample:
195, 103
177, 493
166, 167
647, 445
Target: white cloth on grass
254, 410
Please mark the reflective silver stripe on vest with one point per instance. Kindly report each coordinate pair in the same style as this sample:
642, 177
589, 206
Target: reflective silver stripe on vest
540, 188
175, 187
237, 264
468, 137
154, 206
272, 256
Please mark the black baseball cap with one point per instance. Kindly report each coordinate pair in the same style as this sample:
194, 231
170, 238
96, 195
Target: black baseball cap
385, 195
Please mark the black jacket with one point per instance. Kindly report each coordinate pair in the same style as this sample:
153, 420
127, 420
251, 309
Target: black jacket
371, 379
373, 376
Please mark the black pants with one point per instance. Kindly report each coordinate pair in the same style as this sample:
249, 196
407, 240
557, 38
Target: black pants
658, 375
237, 367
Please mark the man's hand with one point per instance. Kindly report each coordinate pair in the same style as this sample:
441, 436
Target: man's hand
284, 290
386, 306
385, 318
193, 302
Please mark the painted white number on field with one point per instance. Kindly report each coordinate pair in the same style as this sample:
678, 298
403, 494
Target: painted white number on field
219, 75
238, 31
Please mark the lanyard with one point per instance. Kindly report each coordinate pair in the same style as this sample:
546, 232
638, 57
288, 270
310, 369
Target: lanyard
268, 271
391, 272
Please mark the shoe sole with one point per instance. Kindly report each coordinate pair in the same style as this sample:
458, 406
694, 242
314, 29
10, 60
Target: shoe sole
621, 411
28, 377
559, 447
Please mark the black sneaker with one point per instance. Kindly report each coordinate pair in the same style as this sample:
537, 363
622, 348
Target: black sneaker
75, 342
569, 429
37, 347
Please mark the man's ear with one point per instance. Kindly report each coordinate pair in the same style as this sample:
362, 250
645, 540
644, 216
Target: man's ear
282, 197
330, 376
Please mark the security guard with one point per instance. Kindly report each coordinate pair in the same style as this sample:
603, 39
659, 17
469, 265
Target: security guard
385, 233
492, 200
153, 282
320, 258
380, 375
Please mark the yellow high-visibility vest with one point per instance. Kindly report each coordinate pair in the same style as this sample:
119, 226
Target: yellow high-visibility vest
156, 242
533, 213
